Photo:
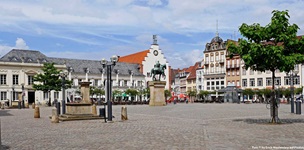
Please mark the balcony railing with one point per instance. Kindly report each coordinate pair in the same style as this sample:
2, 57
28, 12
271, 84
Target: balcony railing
233, 66
215, 72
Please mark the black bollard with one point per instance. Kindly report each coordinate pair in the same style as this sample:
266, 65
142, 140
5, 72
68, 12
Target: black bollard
58, 108
19, 105
298, 107
63, 106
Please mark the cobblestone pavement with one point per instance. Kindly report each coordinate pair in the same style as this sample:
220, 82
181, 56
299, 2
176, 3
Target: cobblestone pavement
180, 126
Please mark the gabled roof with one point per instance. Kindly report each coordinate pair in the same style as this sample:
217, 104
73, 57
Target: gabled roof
192, 70
137, 58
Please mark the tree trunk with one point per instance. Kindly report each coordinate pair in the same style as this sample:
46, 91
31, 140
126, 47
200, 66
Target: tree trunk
274, 109
49, 104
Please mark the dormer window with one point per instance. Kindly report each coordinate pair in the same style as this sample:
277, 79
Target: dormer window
29, 60
44, 60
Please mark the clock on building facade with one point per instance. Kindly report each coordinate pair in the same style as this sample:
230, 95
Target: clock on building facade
155, 52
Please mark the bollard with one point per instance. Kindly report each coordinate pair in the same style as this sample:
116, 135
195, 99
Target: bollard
19, 105
26, 105
37, 112
33, 105
55, 118
298, 107
124, 115
102, 112
63, 106
58, 108
94, 111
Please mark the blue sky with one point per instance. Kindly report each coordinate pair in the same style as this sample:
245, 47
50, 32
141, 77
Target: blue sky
95, 29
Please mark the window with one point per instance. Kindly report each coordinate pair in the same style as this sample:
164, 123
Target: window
212, 83
237, 72
56, 95
260, 81
233, 72
296, 80
3, 79
277, 81
15, 79
244, 82
217, 82
259, 72
286, 81
95, 82
243, 71
212, 57
228, 72
268, 71
3, 96
268, 82
222, 82
252, 82
237, 83
125, 83
30, 80
251, 72
45, 95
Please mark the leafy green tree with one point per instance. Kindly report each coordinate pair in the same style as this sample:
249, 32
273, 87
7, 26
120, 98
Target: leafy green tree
131, 92
203, 94
298, 90
276, 43
48, 80
249, 92
167, 94
191, 94
287, 94
116, 93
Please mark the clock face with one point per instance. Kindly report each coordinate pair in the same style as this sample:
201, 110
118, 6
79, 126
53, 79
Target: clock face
155, 52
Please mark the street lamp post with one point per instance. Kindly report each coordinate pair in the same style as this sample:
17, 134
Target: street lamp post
22, 87
63, 75
108, 66
291, 75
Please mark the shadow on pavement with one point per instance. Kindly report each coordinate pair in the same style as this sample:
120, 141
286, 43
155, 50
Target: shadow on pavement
5, 113
267, 121
3, 147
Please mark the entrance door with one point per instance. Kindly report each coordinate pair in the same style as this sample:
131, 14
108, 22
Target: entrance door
31, 97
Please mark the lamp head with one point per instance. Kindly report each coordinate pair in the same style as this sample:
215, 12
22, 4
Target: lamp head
114, 59
296, 71
103, 61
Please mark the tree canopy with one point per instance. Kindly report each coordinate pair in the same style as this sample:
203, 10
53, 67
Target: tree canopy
271, 47
48, 80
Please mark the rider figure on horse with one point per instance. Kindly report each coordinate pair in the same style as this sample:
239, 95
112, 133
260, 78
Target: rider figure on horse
157, 66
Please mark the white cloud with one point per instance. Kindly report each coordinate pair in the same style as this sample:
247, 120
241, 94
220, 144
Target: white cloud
20, 44
183, 60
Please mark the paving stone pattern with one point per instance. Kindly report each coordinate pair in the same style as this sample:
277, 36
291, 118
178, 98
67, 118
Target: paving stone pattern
172, 127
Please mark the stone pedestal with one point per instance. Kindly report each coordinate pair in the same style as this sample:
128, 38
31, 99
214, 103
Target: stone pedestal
157, 96
85, 92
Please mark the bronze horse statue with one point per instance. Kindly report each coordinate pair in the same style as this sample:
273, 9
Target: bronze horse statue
160, 71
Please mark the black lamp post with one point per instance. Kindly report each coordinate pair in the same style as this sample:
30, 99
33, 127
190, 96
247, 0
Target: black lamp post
13, 94
63, 75
108, 66
22, 87
291, 75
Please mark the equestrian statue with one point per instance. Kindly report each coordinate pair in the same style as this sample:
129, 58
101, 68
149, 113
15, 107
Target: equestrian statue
158, 70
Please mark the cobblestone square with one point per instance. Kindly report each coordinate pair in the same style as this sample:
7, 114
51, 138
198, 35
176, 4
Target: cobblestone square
180, 126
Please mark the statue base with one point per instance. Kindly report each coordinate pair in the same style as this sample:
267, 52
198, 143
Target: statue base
157, 96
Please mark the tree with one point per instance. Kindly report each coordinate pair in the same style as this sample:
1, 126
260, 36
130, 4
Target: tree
287, 94
249, 92
203, 94
276, 43
48, 80
131, 92
167, 94
191, 94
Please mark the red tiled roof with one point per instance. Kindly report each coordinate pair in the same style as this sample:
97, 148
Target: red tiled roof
137, 58
192, 71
